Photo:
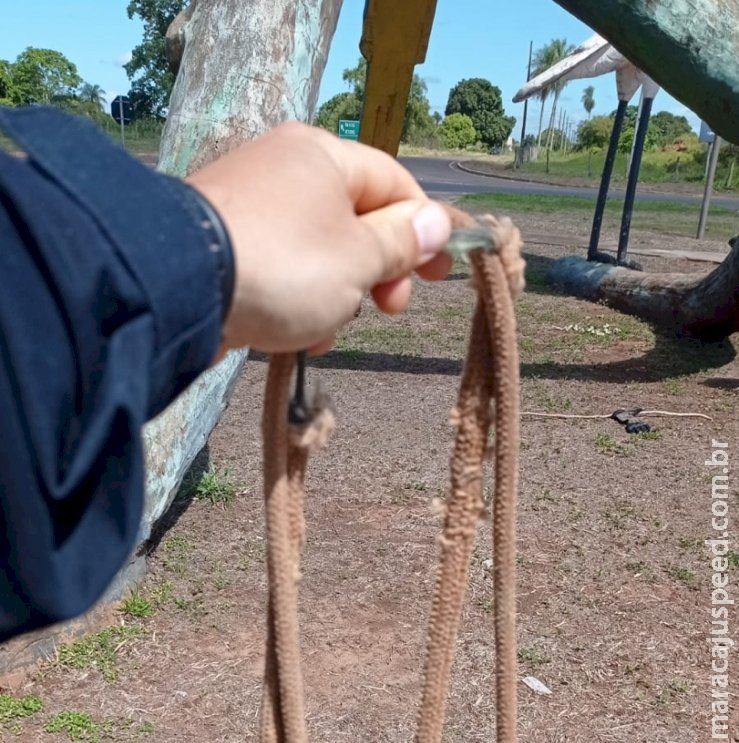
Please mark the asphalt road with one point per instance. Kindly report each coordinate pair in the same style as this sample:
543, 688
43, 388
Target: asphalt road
440, 177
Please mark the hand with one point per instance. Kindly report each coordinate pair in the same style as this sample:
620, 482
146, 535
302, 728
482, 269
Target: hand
316, 222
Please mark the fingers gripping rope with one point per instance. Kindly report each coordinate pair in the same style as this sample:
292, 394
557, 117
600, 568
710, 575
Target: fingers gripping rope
493, 248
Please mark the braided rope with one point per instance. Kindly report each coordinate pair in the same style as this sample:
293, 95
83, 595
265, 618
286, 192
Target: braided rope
498, 277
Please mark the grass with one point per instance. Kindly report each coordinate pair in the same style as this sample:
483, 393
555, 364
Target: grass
78, 726
99, 651
606, 444
660, 216
682, 575
136, 605
15, 709
648, 435
216, 486
657, 167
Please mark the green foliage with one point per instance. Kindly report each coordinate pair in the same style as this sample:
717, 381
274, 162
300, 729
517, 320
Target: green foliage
137, 606
626, 140
89, 93
457, 132
558, 138
148, 69
588, 101
42, 76
419, 124
482, 102
544, 58
78, 726
14, 708
341, 106
667, 128
98, 651
595, 132
215, 486
6, 80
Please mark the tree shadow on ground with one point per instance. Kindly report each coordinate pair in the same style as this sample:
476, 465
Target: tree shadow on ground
670, 357
537, 275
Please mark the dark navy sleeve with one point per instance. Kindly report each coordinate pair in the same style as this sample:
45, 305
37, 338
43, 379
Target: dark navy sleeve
110, 305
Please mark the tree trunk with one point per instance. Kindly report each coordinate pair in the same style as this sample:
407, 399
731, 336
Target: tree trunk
690, 48
541, 122
703, 306
245, 67
550, 136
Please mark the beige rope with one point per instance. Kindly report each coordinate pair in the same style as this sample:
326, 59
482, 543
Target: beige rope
499, 279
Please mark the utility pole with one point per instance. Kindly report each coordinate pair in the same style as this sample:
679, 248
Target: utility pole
518, 161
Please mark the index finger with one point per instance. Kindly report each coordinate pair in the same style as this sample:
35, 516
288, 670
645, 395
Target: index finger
374, 178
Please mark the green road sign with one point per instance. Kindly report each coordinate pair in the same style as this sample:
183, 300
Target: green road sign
348, 129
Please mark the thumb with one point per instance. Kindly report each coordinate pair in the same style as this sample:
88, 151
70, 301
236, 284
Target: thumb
404, 235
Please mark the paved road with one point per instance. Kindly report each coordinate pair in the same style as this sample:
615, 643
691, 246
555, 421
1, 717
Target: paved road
439, 176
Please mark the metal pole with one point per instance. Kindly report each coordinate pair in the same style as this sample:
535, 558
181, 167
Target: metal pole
518, 162
605, 180
640, 137
713, 159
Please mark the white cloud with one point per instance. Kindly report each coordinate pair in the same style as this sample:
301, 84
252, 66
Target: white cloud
122, 59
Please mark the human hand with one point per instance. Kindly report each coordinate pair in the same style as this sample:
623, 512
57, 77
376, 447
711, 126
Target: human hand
316, 222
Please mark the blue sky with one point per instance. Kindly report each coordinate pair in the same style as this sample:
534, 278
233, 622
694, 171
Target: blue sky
471, 38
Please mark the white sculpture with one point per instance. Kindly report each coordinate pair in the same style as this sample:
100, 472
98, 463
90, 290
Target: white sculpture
594, 58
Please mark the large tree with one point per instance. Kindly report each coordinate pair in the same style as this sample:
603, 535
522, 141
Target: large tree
148, 70
6, 82
94, 94
42, 76
457, 132
419, 123
588, 102
342, 106
544, 58
667, 127
482, 102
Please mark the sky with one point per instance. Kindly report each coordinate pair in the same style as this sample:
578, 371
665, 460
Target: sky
470, 38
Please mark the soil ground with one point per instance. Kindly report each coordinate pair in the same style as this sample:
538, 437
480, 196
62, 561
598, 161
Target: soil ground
614, 580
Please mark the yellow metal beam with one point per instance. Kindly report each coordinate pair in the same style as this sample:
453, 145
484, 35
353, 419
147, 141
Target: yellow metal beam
394, 40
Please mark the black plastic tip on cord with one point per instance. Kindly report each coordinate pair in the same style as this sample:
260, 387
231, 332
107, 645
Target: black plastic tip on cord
298, 410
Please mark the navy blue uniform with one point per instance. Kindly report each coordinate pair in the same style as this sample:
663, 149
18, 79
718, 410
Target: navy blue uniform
111, 301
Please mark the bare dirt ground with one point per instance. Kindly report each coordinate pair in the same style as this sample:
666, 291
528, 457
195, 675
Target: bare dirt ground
614, 580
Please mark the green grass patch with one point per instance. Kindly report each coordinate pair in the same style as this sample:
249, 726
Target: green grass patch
78, 726
136, 605
556, 204
15, 709
682, 575
648, 436
606, 444
99, 651
216, 486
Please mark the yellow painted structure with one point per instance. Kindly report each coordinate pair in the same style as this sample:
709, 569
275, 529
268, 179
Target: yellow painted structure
394, 40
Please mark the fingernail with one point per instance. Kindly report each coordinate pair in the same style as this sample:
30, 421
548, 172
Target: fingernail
433, 229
